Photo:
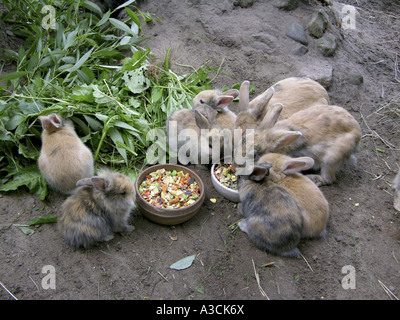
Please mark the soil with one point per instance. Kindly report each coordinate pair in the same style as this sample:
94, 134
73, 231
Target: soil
251, 44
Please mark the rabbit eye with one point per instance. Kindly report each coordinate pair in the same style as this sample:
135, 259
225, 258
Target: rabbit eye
123, 193
202, 101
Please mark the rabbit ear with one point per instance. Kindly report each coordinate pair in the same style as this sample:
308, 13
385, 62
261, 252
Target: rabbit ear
259, 103
96, 182
50, 122
201, 121
259, 172
272, 115
99, 183
284, 137
244, 96
224, 101
231, 92
84, 182
297, 165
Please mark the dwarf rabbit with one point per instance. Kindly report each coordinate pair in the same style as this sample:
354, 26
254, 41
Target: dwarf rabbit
280, 205
272, 217
63, 159
100, 206
285, 171
218, 101
294, 93
328, 134
396, 186
187, 139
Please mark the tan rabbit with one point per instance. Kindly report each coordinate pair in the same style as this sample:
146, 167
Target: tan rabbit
328, 134
186, 138
218, 101
63, 159
396, 186
100, 206
293, 93
280, 205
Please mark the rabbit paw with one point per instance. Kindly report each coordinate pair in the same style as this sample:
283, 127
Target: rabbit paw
129, 228
108, 237
317, 179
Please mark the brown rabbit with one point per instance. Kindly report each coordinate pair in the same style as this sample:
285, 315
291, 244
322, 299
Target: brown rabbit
218, 101
328, 134
63, 159
280, 205
100, 206
293, 93
192, 144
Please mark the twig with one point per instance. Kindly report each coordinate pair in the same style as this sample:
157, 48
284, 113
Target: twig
162, 276
34, 283
395, 257
388, 144
8, 291
307, 262
388, 292
258, 281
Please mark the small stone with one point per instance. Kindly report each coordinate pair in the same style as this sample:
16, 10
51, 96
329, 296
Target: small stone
327, 45
286, 4
243, 3
339, 238
297, 33
318, 70
318, 24
300, 51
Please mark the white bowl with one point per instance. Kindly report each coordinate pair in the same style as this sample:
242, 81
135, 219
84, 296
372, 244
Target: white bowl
228, 193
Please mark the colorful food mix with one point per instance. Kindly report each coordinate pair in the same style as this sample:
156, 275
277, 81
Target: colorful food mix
169, 189
226, 175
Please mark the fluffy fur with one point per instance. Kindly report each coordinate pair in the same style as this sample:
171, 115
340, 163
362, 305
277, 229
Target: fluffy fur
100, 206
63, 158
280, 205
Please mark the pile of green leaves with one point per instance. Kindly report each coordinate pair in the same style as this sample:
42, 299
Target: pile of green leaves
89, 67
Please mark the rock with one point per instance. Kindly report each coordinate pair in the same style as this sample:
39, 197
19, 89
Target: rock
318, 24
297, 33
327, 45
243, 3
339, 238
300, 51
345, 15
318, 70
286, 4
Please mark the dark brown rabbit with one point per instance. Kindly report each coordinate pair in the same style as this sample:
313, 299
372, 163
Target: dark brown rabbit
100, 206
63, 159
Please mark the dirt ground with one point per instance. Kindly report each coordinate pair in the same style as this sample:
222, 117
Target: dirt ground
363, 240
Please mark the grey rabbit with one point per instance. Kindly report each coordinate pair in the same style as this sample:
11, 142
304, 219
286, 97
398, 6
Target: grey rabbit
280, 205
100, 206
272, 218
